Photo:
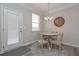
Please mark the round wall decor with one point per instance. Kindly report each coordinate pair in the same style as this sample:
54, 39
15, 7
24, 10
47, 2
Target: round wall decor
59, 21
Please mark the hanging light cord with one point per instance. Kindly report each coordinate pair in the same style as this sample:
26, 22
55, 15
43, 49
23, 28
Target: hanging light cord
48, 9
48, 18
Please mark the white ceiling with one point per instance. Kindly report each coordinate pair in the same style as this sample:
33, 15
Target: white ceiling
53, 7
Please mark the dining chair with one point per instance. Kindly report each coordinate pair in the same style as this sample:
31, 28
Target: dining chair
54, 31
57, 40
43, 41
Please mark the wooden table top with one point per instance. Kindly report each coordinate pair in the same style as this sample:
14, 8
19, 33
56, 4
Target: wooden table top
49, 33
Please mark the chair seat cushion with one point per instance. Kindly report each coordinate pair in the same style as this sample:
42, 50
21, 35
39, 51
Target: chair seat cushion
42, 41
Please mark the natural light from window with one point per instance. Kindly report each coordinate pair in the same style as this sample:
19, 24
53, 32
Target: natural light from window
35, 22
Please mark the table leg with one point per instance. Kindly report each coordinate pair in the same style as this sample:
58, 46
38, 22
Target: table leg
49, 45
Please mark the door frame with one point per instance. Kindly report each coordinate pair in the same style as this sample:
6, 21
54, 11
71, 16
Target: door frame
2, 29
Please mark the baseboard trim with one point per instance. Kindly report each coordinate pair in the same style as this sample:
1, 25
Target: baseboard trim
28, 43
69, 44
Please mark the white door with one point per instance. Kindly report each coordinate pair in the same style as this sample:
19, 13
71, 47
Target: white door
12, 29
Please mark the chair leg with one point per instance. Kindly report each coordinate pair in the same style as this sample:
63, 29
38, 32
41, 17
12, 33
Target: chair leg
48, 45
51, 45
60, 47
41, 45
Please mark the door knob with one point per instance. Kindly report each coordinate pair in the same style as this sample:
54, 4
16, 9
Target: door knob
20, 29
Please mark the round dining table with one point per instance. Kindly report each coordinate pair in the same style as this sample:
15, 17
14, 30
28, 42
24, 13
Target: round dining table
48, 36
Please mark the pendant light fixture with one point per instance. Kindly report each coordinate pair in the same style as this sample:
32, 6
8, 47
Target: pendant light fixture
48, 18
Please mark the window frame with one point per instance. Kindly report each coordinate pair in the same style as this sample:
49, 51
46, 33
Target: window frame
33, 28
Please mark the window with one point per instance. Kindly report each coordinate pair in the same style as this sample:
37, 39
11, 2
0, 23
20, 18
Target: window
35, 22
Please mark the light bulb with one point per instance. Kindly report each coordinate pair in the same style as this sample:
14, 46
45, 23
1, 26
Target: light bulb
48, 18
51, 18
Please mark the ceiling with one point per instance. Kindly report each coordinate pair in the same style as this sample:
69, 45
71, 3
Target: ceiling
53, 7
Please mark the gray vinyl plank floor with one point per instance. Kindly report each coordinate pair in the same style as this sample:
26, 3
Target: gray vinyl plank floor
37, 51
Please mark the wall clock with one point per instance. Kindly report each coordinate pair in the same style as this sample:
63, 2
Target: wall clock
59, 21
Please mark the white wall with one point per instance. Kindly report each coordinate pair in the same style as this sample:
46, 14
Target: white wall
71, 26
0, 28
28, 34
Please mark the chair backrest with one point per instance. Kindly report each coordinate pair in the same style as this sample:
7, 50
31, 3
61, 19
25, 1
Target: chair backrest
54, 37
43, 37
54, 31
60, 37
